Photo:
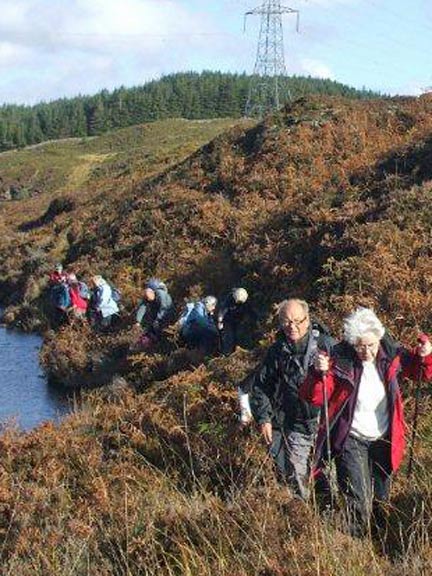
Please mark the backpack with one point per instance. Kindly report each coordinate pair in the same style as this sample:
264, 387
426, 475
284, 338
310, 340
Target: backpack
195, 316
156, 284
116, 295
84, 290
185, 315
60, 297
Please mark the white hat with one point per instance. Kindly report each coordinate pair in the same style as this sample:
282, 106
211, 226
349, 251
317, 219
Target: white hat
240, 295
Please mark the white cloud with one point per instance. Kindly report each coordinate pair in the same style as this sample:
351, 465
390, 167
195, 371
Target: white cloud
316, 69
85, 45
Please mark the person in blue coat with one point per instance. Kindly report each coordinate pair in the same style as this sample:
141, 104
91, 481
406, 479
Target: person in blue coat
198, 327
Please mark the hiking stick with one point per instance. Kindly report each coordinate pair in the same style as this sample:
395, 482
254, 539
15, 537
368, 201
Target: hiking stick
422, 339
328, 474
326, 418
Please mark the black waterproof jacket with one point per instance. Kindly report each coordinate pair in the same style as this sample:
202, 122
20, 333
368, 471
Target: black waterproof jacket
274, 395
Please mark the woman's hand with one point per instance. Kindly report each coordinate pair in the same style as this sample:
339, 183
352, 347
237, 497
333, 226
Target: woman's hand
424, 347
322, 362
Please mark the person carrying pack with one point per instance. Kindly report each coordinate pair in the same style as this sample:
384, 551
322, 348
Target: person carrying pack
287, 423
103, 307
79, 297
155, 312
197, 325
61, 300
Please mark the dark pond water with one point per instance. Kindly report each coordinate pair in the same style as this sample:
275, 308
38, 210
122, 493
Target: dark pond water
25, 396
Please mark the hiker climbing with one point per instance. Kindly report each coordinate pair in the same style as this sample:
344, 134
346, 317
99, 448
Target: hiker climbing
103, 307
287, 423
197, 325
155, 313
230, 314
365, 427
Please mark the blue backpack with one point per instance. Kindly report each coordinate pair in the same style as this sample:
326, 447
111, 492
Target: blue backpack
184, 316
156, 284
84, 290
115, 293
60, 296
195, 315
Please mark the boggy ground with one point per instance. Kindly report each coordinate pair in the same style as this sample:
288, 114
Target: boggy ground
329, 200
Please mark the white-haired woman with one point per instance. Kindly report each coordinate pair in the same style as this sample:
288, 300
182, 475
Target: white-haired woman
365, 413
103, 302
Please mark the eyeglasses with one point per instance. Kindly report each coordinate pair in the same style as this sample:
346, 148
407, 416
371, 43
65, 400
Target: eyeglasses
296, 323
365, 347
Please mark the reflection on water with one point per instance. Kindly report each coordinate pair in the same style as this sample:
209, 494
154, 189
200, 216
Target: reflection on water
25, 396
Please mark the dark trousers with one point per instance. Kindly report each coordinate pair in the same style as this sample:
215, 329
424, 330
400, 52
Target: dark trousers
363, 472
228, 338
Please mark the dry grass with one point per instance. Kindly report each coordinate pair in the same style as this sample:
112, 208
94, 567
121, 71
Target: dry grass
329, 200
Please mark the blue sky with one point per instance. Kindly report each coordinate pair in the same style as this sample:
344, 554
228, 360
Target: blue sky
55, 48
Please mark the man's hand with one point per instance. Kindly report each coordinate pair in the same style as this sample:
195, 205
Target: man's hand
267, 432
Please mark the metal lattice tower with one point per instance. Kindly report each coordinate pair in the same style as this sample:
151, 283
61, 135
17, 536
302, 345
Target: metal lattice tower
265, 90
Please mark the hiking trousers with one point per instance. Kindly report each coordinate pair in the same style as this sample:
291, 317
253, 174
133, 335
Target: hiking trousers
291, 452
363, 472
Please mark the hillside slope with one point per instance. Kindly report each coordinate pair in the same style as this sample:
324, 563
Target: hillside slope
330, 200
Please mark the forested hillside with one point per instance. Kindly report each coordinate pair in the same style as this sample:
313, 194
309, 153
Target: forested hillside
186, 95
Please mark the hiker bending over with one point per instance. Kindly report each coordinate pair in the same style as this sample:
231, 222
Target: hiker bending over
103, 306
365, 412
197, 325
288, 423
156, 311
79, 297
230, 314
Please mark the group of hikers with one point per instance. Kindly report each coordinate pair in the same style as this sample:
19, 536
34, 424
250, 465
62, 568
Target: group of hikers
73, 299
207, 324
315, 401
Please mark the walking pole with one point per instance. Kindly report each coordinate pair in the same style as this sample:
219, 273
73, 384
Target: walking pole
422, 339
327, 431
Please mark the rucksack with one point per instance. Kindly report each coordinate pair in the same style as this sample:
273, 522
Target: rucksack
183, 318
84, 290
195, 315
116, 295
60, 296
156, 284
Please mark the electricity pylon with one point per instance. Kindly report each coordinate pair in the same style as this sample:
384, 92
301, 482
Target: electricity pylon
264, 90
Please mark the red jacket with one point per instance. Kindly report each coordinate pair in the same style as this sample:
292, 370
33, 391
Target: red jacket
77, 301
342, 382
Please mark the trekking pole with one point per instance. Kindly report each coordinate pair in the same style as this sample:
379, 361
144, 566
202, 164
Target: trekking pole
328, 441
422, 339
326, 413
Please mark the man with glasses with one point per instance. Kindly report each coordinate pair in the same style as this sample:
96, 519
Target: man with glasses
287, 423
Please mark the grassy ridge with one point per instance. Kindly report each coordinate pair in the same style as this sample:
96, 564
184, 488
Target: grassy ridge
329, 199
